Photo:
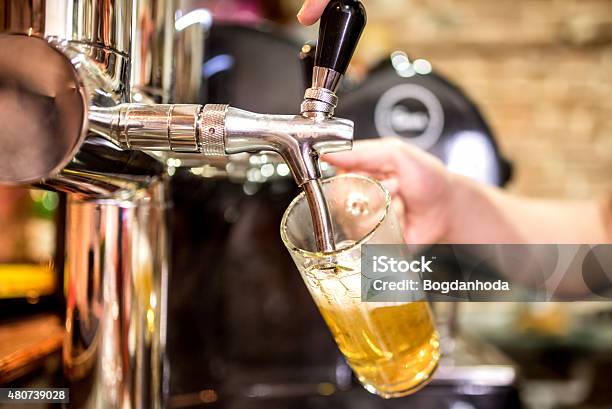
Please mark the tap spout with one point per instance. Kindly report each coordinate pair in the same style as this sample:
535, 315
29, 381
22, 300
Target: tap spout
299, 140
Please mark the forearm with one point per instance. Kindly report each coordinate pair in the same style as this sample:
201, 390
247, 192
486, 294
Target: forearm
484, 214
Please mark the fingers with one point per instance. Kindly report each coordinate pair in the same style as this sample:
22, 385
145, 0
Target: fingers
311, 11
391, 184
372, 156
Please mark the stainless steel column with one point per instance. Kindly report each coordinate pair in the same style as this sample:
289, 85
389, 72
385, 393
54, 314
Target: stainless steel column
116, 283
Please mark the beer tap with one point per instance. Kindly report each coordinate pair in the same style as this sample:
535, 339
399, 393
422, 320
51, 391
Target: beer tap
215, 131
78, 84
342, 23
209, 132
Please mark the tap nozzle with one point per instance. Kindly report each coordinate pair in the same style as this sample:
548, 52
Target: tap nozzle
299, 140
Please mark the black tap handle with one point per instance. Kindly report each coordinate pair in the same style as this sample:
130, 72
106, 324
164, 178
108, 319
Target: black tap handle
341, 26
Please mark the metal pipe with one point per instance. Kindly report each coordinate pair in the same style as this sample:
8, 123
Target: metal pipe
152, 50
191, 30
117, 245
214, 131
321, 218
20, 16
116, 273
98, 23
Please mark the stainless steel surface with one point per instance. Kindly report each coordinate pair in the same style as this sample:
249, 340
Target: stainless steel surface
311, 107
116, 257
475, 362
102, 72
215, 131
321, 94
212, 133
321, 219
318, 106
43, 101
20, 16
300, 141
98, 54
116, 281
153, 49
98, 23
171, 127
192, 28
325, 78
91, 55
134, 126
184, 121
83, 184
77, 95
320, 99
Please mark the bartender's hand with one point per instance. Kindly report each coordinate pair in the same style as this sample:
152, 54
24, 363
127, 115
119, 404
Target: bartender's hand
418, 182
311, 11
439, 206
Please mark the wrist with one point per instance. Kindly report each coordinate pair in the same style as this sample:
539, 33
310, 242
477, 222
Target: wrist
467, 207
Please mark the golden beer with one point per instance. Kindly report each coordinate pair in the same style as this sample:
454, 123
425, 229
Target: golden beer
393, 348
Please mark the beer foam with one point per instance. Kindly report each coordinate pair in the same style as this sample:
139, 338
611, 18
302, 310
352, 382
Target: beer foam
340, 288
337, 283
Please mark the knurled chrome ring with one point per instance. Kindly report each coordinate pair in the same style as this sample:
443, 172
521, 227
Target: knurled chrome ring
321, 94
312, 105
212, 133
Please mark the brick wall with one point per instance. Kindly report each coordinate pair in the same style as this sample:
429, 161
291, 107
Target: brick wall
540, 70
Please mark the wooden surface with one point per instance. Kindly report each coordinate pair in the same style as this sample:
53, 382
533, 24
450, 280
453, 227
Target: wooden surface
26, 342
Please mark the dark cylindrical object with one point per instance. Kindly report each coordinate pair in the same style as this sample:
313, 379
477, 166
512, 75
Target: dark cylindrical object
341, 26
307, 58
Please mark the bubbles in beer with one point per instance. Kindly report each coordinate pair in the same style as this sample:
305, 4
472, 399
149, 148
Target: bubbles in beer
392, 347
357, 204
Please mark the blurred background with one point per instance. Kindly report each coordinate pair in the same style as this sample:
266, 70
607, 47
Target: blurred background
539, 70
539, 73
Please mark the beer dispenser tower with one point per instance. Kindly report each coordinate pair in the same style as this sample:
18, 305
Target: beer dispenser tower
87, 108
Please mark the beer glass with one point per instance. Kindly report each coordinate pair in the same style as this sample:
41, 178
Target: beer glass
392, 347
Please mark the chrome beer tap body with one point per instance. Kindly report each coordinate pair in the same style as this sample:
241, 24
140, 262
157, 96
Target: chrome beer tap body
86, 102
214, 131
59, 61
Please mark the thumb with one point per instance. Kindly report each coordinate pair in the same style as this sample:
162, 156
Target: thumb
311, 11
